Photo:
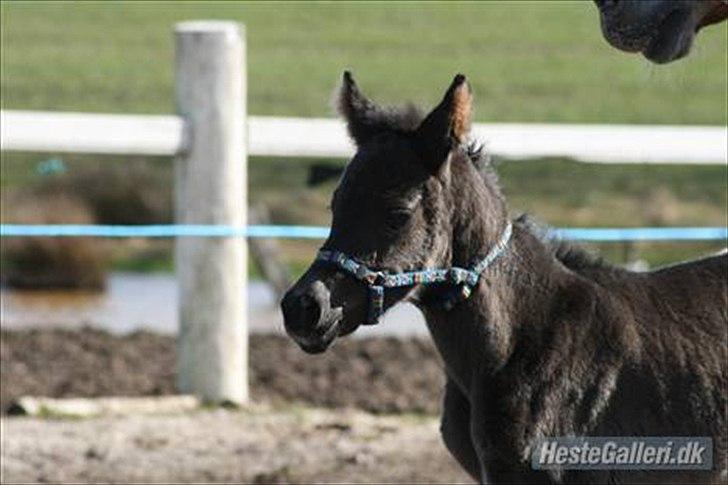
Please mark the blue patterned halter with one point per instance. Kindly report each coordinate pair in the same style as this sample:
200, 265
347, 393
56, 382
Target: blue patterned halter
464, 279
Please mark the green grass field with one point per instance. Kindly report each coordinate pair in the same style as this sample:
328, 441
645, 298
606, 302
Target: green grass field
528, 61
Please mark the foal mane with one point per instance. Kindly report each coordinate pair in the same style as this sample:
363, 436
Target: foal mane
571, 255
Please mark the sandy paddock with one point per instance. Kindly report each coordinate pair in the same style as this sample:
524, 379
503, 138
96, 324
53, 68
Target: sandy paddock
259, 444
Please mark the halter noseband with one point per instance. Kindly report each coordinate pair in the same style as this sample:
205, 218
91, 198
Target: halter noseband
377, 281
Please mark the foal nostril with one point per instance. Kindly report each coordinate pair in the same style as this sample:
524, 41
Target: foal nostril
310, 310
300, 312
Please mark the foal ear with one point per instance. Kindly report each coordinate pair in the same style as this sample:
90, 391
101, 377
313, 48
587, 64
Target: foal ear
447, 125
361, 114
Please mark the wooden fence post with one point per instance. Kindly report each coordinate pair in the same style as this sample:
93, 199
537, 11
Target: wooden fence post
210, 188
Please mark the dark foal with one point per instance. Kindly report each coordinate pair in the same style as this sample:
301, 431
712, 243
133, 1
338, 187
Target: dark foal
551, 342
662, 30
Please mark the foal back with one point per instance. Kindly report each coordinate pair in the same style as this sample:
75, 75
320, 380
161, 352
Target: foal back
684, 301
677, 386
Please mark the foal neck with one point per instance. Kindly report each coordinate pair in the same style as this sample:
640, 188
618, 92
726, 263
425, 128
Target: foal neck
514, 292
483, 331
478, 213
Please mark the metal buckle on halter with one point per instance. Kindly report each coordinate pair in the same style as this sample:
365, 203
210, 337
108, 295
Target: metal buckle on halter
370, 277
457, 275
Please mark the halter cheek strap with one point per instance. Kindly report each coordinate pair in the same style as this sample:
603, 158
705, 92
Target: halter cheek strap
464, 279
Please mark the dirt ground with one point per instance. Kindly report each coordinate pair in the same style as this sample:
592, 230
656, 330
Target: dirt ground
256, 445
380, 375
363, 412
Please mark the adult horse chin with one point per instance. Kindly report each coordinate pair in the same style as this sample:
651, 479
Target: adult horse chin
662, 30
673, 38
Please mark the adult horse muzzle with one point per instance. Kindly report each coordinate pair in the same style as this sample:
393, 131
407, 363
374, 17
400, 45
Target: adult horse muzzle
662, 30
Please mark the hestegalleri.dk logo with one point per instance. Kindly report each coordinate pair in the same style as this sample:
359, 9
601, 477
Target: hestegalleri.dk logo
623, 453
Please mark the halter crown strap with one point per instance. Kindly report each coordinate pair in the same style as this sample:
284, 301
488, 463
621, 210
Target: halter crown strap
463, 278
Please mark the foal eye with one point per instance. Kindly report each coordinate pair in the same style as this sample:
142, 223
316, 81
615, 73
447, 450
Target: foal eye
398, 218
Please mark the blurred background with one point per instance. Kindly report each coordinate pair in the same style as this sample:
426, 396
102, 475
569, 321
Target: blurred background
97, 317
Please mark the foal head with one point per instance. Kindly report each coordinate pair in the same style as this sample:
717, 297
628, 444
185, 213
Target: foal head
410, 186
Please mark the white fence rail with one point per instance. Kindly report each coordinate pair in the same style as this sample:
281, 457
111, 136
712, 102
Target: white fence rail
116, 134
44, 131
